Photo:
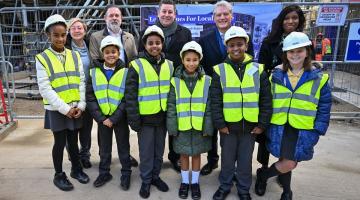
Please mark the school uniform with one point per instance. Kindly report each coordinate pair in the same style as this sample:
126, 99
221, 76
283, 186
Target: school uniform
104, 93
288, 140
147, 87
194, 140
240, 100
61, 82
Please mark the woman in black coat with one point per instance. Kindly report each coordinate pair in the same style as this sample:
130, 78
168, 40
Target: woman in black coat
290, 19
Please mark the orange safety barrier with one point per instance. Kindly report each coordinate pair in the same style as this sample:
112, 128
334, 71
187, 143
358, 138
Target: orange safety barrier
3, 104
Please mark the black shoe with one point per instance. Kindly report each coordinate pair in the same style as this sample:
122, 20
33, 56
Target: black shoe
160, 185
144, 190
195, 191
102, 179
176, 165
260, 184
220, 194
244, 196
184, 190
134, 162
125, 182
208, 168
62, 182
80, 176
85, 163
286, 196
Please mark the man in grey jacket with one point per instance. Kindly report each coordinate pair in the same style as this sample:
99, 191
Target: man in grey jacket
113, 19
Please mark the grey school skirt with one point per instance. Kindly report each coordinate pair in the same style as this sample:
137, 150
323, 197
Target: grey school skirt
56, 121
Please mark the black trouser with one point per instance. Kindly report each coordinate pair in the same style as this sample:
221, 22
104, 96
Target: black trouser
85, 136
151, 141
60, 139
262, 154
172, 156
213, 156
105, 135
236, 148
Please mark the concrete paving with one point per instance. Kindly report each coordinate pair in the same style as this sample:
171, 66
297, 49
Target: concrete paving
26, 170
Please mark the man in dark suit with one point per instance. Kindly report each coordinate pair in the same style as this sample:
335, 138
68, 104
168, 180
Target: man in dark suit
215, 53
175, 38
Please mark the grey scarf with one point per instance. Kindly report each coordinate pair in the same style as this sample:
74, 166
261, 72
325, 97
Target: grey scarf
168, 31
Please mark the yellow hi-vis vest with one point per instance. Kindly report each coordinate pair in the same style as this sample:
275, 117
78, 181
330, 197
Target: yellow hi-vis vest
190, 107
64, 79
108, 93
240, 98
153, 88
299, 108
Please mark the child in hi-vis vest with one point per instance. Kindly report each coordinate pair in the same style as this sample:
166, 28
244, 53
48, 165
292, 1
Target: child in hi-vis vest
105, 90
301, 112
189, 116
147, 88
61, 83
241, 109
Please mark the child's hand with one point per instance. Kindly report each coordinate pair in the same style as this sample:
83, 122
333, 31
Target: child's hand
224, 130
108, 123
71, 113
257, 131
77, 113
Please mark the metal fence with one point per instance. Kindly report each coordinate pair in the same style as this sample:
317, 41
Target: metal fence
23, 37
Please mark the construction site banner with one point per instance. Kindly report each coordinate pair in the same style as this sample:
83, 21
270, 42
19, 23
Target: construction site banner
255, 18
353, 44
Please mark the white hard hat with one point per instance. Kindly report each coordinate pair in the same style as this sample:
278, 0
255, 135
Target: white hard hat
235, 32
110, 40
154, 29
53, 19
295, 40
192, 46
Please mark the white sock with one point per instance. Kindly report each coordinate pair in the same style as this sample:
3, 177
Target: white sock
195, 177
185, 176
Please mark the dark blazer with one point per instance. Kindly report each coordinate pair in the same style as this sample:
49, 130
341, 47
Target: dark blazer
181, 36
211, 51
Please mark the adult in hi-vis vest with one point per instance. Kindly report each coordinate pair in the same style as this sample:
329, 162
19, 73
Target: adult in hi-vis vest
189, 116
61, 82
241, 109
147, 88
105, 91
301, 112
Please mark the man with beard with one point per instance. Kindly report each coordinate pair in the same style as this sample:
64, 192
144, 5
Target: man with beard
175, 38
113, 19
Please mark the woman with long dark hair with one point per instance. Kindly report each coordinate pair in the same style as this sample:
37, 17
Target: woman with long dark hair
290, 19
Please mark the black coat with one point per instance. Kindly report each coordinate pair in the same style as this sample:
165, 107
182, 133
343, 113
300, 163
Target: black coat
265, 100
181, 36
92, 103
211, 51
131, 97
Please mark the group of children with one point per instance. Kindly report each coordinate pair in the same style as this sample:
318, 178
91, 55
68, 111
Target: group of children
291, 107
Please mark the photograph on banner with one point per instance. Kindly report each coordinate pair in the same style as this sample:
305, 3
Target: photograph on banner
331, 15
353, 43
256, 19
